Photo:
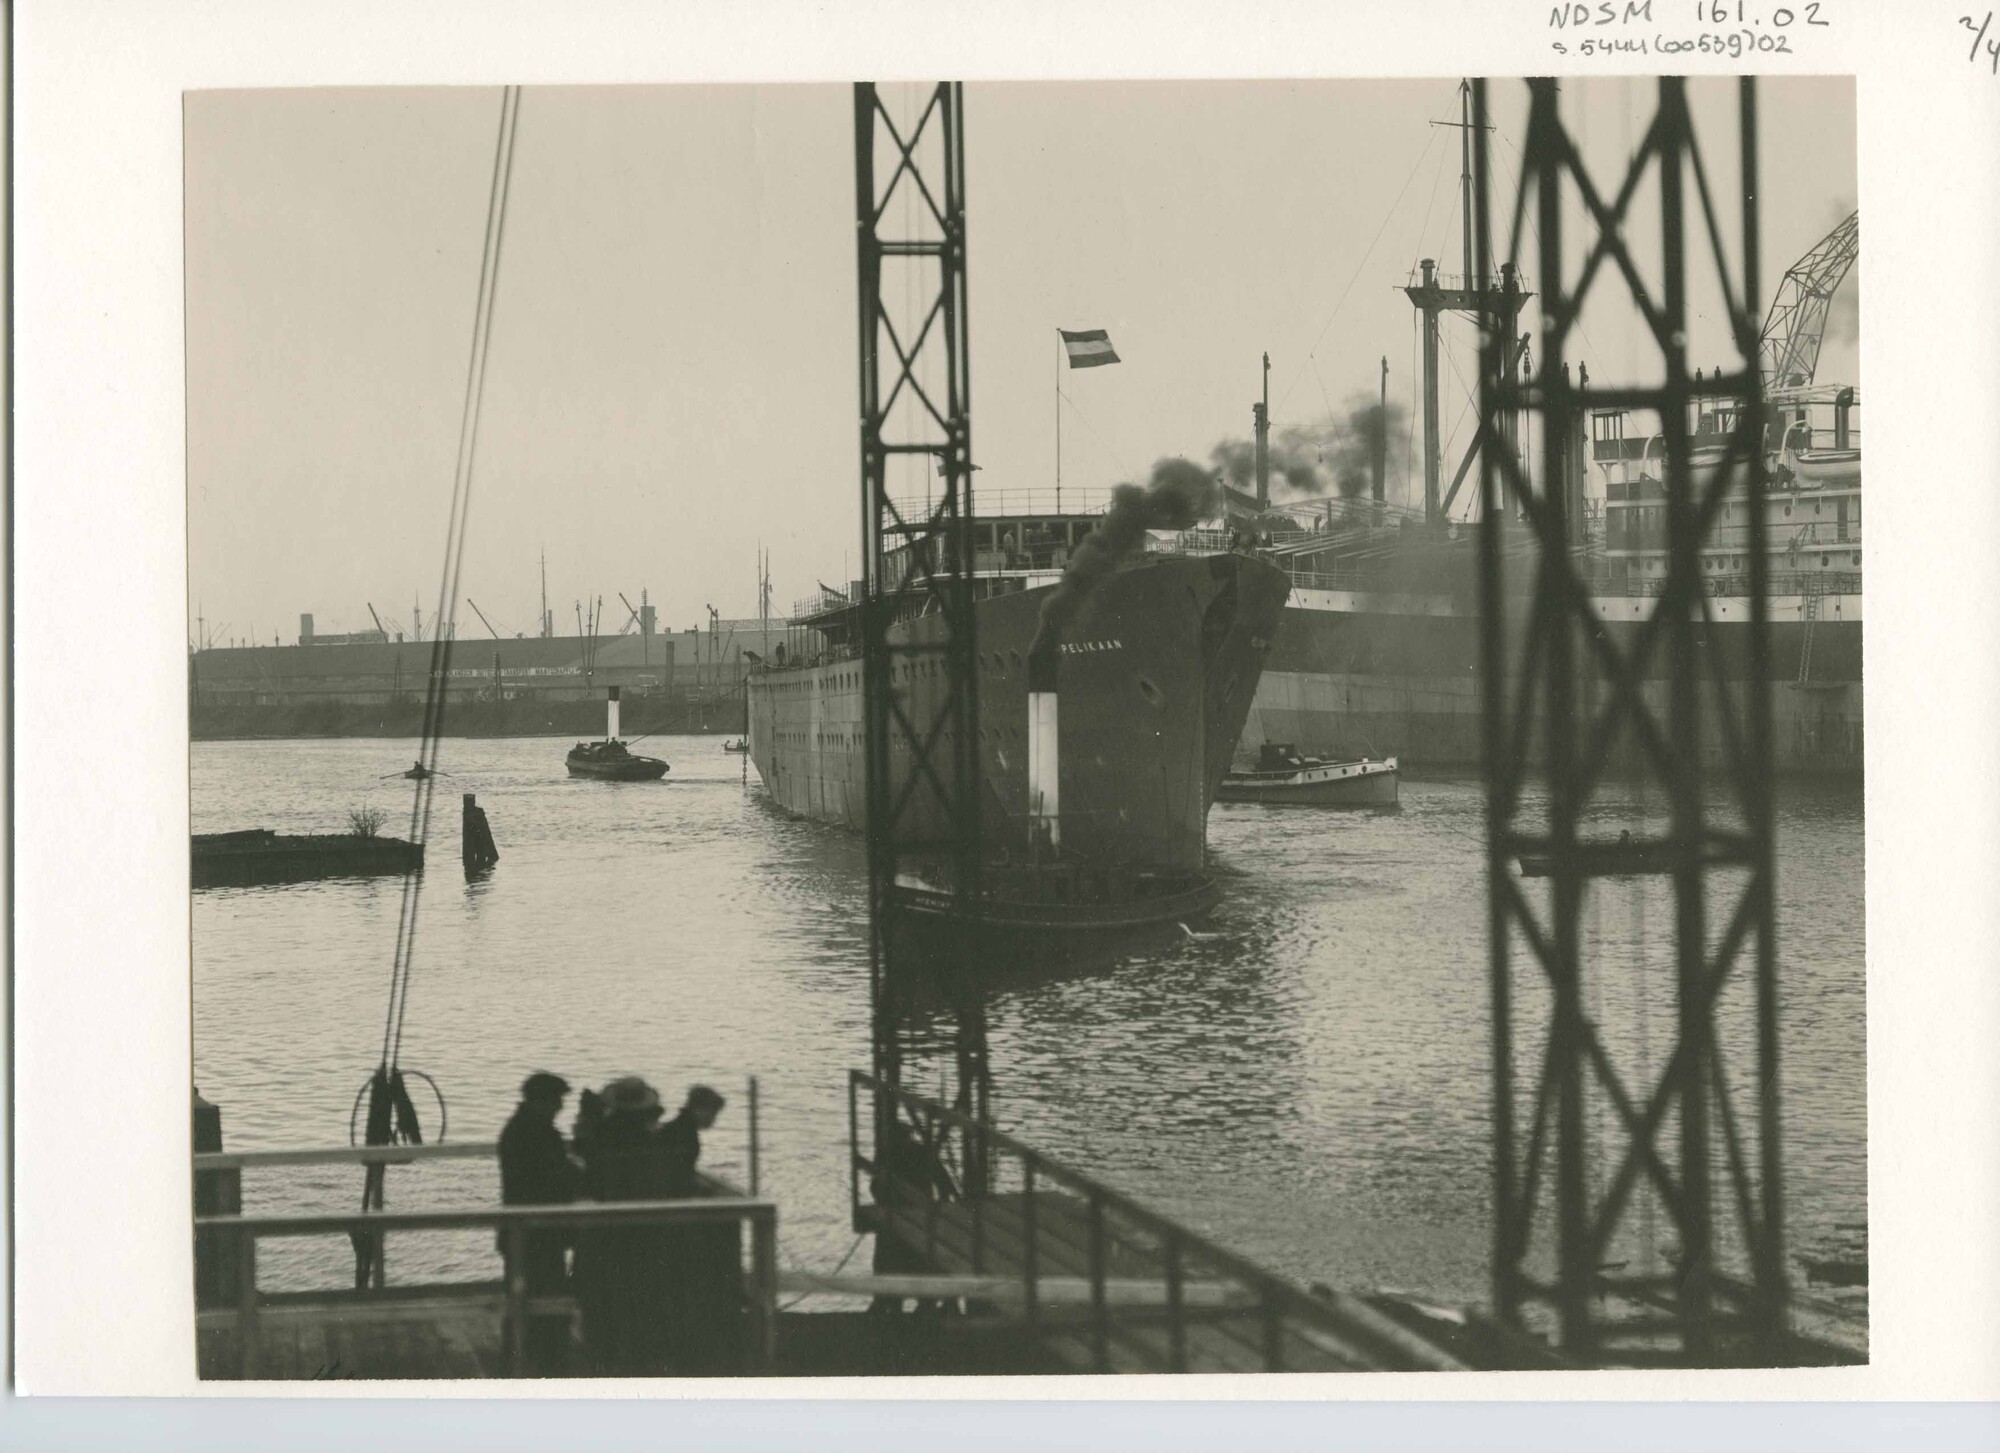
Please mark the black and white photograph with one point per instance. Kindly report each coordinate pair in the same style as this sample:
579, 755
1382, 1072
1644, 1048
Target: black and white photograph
1325, 835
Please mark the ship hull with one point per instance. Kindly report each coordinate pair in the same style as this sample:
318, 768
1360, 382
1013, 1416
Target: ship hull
1359, 673
1156, 676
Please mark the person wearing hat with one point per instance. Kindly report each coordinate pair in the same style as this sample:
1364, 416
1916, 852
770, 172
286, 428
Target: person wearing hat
622, 1273
535, 1170
705, 1261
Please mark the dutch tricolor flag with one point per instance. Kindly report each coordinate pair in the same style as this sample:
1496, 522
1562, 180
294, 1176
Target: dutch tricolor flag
1090, 349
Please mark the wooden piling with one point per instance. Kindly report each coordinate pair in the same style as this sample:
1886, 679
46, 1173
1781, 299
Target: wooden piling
476, 844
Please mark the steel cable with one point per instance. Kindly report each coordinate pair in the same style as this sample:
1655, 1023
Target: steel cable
442, 640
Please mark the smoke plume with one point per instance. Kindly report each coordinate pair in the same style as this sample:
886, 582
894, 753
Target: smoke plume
1178, 496
1336, 457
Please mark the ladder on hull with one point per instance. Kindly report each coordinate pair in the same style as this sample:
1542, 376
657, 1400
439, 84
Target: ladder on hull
1809, 610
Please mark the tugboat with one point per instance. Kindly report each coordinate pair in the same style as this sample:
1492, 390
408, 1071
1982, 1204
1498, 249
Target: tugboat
609, 760
1284, 777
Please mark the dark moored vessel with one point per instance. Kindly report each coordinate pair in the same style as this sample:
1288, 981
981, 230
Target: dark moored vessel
1139, 707
259, 855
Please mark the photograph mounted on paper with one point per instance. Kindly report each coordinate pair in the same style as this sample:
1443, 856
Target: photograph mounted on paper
1325, 836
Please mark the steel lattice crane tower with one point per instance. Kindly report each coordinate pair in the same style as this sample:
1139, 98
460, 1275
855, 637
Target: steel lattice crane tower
1788, 348
916, 598
1564, 696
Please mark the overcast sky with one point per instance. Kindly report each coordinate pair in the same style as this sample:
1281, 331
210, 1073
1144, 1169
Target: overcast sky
672, 370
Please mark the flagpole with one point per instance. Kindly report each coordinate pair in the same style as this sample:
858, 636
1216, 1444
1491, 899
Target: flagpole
1059, 359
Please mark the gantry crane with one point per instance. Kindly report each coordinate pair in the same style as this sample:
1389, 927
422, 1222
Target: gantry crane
1788, 349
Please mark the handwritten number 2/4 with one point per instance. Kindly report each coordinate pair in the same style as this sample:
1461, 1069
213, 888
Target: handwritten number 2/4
1992, 46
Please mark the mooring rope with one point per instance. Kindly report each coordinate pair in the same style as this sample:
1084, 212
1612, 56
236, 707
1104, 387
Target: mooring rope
443, 640
391, 1116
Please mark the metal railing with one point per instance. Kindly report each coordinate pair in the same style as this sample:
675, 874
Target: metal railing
818, 602
1029, 502
1788, 583
1158, 1296
1784, 534
236, 1237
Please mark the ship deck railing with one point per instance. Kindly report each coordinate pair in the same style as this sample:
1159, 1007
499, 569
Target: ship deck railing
996, 506
1799, 583
1154, 1296
231, 1305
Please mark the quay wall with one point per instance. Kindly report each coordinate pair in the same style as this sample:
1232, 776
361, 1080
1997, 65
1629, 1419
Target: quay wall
673, 715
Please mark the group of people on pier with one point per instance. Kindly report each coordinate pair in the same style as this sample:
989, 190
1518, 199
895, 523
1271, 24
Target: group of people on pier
655, 1300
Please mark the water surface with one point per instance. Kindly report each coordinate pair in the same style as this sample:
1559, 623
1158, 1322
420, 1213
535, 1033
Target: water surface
1311, 1085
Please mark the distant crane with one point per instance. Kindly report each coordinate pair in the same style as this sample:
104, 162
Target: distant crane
1788, 349
632, 618
482, 617
378, 622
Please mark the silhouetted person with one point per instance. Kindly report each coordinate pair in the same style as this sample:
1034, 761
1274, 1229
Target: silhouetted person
622, 1271
535, 1170
682, 1135
705, 1261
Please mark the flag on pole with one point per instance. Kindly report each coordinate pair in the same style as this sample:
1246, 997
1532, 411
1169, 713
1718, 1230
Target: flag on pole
1089, 349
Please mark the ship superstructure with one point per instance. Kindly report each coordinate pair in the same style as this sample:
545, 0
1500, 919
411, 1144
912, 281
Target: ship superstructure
1106, 743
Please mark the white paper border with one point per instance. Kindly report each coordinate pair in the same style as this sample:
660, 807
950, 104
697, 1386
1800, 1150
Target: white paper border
101, 988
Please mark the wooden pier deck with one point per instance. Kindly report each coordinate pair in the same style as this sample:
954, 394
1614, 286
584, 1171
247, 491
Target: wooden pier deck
1134, 1300
1059, 1274
397, 1332
1138, 1292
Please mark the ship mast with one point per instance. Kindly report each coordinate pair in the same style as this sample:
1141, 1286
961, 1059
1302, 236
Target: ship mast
1261, 419
1498, 306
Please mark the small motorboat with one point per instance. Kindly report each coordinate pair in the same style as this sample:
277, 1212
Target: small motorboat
611, 761
737, 746
1284, 778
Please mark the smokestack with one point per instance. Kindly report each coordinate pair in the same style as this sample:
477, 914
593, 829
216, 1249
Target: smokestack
611, 716
1381, 477
1044, 753
305, 629
1260, 414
